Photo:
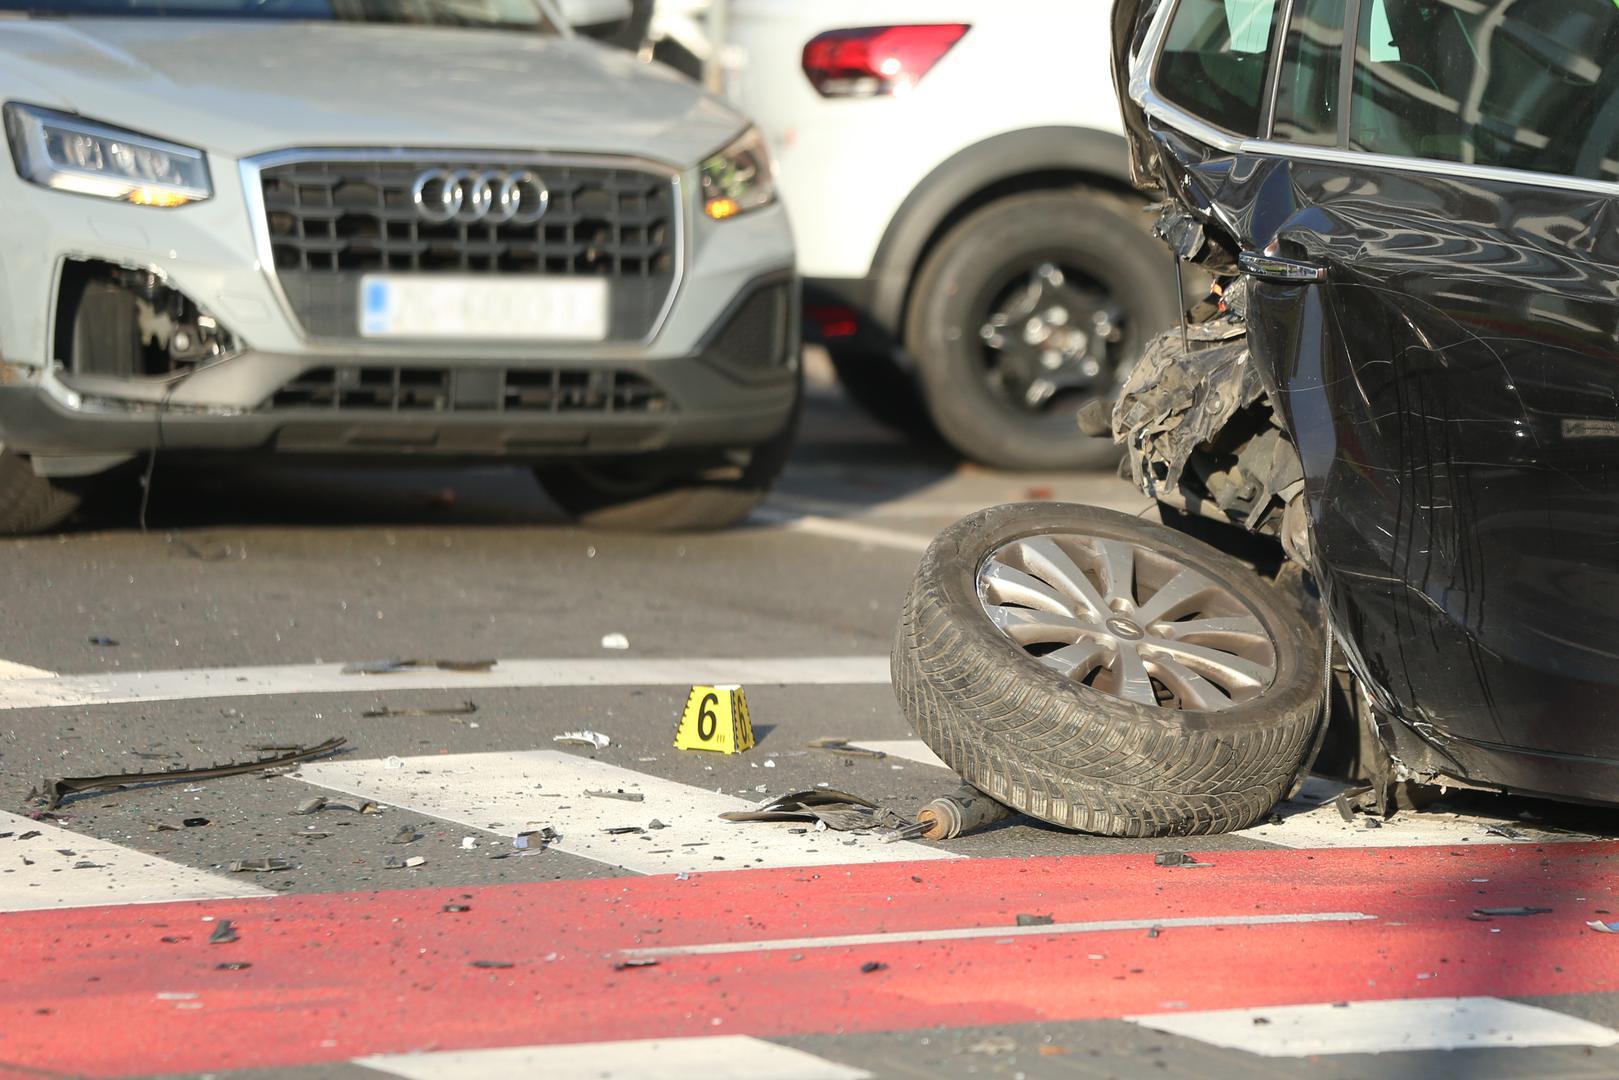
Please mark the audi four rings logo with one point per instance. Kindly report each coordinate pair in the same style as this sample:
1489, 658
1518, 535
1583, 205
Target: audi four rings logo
473, 196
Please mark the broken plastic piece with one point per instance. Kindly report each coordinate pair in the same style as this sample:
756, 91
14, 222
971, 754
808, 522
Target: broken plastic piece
394, 862
1488, 911
466, 708
224, 933
584, 738
1034, 920
393, 667
635, 962
1179, 858
233, 965
102, 640
457, 908
407, 834
493, 964
626, 796
54, 791
872, 965
624, 830
1603, 927
259, 866
615, 641
1503, 830
468, 843
311, 806
830, 808
841, 746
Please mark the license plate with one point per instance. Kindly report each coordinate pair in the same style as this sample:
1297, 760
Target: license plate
482, 308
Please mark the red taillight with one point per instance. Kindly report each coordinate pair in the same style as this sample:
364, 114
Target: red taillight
833, 320
873, 60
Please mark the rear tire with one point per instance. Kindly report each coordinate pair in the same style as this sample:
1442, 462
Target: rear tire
30, 503
1084, 756
1097, 235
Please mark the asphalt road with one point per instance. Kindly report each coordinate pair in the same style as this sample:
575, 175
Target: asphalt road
265, 582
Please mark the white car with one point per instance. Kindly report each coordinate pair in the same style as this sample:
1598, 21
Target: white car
958, 180
430, 230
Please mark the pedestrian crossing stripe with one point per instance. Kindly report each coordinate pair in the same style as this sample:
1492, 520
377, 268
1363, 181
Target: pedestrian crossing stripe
715, 718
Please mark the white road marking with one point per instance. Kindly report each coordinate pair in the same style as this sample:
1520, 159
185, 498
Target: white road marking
9, 670
1310, 820
509, 793
1377, 1027
909, 749
35, 875
121, 687
965, 932
831, 528
719, 1057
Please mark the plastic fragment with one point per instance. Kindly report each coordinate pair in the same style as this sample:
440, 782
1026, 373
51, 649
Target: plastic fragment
223, 934
468, 843
407, 834
1034, 920
615, 641
311, 806
493, 964
466, 708
635, 962
624, 830
1487, 911
233, 965
391, 667
103, 640
259, 866
456, 908
1604, 927
584, 738
1179, 858
872, 965
626, 796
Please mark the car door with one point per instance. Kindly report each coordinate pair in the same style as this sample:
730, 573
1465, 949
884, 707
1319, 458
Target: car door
1444, 339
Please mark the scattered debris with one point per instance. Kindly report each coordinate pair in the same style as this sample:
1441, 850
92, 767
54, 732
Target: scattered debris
52, 792
1155, 931
1505, 831
233, 965
626, 796
536, 839
224, 933
1492, 911
1034, 920
102, 640
394, 667
958, 813
468, 843
624, 830
872, 965
394, 862
841, 746
1603, 927
994, 1046
493, 964
584, 738
407, 834
1179, 858
311, 806
635, 962
466, 708
259, 866
834, 809
194, 822
615, 641
161, 826
656, 824
457, 908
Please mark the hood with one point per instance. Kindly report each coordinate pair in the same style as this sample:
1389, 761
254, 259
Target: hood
241, 87
1129, 20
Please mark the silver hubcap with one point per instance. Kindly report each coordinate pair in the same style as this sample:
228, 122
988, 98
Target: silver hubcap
1127, 621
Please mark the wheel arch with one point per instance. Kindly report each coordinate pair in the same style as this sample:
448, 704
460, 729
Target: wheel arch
1015, 162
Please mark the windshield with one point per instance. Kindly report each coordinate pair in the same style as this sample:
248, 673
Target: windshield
505, 14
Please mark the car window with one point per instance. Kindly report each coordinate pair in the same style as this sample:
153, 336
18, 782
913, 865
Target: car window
1307, 88
1215, 59
1513, 83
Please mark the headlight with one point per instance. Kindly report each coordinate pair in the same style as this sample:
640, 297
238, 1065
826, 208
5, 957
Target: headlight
70, 153
738, 178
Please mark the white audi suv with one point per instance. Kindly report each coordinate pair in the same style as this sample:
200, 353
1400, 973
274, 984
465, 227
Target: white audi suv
441, 230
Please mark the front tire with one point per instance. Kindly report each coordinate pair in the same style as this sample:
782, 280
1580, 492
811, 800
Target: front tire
1027, 310
1196, 721
30, 503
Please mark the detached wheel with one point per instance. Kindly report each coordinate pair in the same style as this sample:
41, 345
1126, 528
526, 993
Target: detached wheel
30, 503
1108, 674
1026, 311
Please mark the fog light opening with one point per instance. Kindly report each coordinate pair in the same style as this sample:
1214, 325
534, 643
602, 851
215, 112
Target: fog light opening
127, 322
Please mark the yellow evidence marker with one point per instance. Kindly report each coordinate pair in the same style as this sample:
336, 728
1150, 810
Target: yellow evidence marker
715, 718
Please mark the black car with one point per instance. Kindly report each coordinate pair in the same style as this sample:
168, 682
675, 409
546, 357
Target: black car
1386, 447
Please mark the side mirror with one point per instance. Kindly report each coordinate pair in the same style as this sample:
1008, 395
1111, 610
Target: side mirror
591, 13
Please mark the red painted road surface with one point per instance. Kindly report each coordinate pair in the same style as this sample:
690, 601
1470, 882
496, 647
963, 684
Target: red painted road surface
131, 990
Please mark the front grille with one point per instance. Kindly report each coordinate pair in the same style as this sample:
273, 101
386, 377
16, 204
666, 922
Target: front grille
414, 390
330, 222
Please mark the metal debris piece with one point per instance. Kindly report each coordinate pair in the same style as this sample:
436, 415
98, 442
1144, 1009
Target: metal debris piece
224, 933
1179, 858
394, 667
624, 830
841, 746
466, 708
1491, 911
833, 809
872, 965
311, 806
259, 866
52, 792
1034, 920
584, 738
960, 812
233, 965
493, 964
103, 640
194, 822
635, 962
626, 796
407, 834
